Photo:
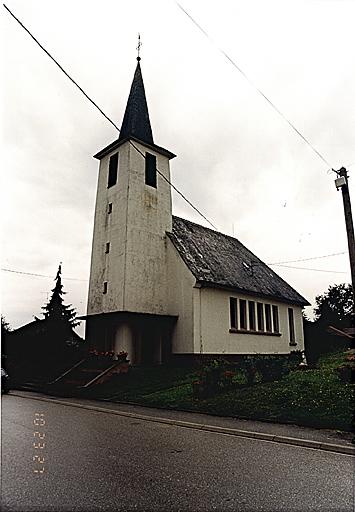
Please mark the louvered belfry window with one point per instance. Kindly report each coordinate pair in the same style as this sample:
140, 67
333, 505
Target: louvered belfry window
112, 170
151, 170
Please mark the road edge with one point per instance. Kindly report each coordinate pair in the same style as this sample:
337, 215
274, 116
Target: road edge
305, 443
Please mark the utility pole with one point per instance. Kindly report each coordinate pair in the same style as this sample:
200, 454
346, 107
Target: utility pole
342, 182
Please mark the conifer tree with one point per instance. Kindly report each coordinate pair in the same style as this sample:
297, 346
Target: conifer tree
56, 310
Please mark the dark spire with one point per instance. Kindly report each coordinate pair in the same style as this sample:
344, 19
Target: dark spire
136, 121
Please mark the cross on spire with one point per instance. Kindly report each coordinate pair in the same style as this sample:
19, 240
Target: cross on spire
139, 47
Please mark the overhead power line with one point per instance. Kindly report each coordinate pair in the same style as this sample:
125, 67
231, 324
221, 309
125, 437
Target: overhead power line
85, 280
178, 191
235, 65
103, 113
308, 259
313, 269
60, 67
40, 275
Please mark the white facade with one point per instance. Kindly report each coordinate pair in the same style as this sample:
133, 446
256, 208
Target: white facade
135, 268
145, 275
204, 323
143, 297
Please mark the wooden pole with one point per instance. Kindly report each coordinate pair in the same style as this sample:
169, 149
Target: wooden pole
350, 231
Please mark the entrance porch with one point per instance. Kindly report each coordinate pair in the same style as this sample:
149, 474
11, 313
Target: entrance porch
145, 337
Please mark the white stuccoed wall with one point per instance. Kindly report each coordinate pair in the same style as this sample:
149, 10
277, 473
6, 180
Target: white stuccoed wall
145, 274
135, 267
213, 329
204, 318
180, 301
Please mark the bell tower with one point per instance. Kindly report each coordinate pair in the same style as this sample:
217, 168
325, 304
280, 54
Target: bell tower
132, 216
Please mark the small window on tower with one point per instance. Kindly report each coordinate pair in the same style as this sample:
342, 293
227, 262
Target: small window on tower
112, 170
105, 287
109, 208
151, 170
107, 247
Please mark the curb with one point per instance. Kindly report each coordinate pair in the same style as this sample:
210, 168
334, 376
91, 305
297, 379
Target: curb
305, 443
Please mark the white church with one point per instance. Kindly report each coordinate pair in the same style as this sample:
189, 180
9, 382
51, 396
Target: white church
162, 287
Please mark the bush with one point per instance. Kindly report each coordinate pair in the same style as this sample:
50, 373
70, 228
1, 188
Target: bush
220, 375
269, 368
215, 376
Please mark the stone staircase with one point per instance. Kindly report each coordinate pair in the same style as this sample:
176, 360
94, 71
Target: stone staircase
89, 372
74, 381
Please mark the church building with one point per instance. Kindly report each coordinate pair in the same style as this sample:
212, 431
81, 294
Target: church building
162, 287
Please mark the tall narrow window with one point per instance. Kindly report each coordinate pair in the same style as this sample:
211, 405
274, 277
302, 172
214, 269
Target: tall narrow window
112, 170
151, 170
291, 326
107, 247
233, 312
105, 287
260, 312
109, 208
275, 318
252, 325
242, 314
268, 317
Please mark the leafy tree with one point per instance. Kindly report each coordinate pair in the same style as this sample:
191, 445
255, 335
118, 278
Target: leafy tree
5, 330
56, 311
334, 307
5, 327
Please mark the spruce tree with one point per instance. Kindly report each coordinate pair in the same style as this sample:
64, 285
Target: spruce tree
56, 311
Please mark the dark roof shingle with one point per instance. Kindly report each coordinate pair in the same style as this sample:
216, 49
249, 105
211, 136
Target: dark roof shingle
136, 122
218, 260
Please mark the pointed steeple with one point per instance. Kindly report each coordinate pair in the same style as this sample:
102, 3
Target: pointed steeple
136, 121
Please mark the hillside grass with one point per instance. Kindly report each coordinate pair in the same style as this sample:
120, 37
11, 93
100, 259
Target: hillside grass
314, 397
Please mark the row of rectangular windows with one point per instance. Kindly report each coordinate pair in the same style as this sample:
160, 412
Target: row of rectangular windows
248, 321
150, 170
246, 315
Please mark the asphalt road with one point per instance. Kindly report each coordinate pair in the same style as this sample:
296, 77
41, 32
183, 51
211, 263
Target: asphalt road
95, 461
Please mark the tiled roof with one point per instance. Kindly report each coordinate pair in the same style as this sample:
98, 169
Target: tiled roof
218, 260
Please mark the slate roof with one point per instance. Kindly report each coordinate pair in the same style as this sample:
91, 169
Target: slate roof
136, 122
220, 261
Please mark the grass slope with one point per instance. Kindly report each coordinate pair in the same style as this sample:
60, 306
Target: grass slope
306, 397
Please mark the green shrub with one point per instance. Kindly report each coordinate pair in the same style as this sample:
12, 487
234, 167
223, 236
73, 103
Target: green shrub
269, 367
217, 375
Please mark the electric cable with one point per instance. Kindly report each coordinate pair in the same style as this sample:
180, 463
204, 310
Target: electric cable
253, 85
308, 259
40, 275
103, 113
313, 269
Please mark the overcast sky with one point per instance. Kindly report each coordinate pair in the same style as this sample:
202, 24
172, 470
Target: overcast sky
237, 160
